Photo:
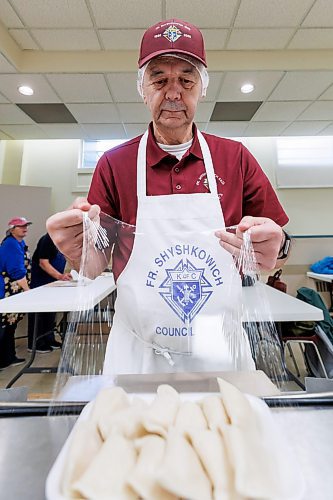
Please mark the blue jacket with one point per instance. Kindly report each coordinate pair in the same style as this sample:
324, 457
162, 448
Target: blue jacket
11, 261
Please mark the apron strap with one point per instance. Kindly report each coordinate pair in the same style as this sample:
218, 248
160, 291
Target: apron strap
208, 163
142, 165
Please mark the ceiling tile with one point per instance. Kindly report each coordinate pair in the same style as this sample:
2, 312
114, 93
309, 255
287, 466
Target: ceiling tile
48, 113
62, 130
212, 14
23, 131
259, 39
104, 131
123, 87
134, 113
121, 39
5, 66
5, 136
321, 15
280, 111
134, 129
24, 39
80, 87
12, 115
58, 39
226, 129
94, 113
234, 111
327, 131
2, 97
312, 38
305, 128
204, 111
109, 103
327, 95
274, 13
265, 129
129, 14
53, 13
320, 110
8, 16
214, 86
43, 92
263, 81
298, 85
215, 39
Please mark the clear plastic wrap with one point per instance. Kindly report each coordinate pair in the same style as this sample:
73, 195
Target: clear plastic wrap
203, 337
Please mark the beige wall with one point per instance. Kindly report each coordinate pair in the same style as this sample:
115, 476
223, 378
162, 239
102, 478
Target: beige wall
308, 209
11, 162
30, 202
51, 163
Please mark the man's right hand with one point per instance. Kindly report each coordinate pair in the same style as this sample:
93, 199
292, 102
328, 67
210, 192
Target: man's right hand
66, 277
66, 230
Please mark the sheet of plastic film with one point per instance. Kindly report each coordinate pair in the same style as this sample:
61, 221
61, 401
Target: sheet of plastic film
80, 369
261, 330
190, 295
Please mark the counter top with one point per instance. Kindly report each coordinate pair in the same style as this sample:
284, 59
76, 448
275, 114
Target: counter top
29, 446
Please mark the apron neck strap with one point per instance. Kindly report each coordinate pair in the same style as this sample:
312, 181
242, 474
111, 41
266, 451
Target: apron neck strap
142, 164
208, 163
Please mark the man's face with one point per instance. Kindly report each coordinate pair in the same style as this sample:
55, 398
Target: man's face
19, 232
171, 89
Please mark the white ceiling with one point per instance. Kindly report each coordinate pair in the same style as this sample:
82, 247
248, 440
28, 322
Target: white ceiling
83, 53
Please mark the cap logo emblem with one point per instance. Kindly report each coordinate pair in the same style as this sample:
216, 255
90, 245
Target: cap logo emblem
172, 33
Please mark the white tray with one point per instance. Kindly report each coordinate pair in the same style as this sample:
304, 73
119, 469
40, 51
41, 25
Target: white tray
272, 435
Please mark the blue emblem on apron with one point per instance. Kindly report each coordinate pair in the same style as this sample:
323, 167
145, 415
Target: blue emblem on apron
185, 290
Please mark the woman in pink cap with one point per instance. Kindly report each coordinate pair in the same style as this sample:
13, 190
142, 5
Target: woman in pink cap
14, 278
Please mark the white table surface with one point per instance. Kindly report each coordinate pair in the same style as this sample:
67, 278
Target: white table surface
320, 277
264, 303
261, 302
62, 298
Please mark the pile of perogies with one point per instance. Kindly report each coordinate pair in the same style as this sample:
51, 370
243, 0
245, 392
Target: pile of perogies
171, 449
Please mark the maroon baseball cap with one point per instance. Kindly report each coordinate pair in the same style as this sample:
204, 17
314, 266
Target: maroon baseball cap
173, 35
18, 221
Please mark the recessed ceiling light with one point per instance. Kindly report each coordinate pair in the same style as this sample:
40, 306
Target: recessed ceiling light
247, 88
25, 90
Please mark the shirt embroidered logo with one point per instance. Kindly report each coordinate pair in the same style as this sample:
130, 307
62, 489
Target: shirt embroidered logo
172, 33
185, 290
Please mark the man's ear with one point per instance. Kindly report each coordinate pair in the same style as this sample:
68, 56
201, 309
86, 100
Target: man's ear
144, 99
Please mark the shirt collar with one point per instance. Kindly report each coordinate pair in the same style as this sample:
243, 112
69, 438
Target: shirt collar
155, 154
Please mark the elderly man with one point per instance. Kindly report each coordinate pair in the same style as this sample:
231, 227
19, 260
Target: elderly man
177, 288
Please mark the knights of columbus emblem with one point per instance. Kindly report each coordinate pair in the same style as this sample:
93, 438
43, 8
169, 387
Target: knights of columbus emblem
172, 33
185, 290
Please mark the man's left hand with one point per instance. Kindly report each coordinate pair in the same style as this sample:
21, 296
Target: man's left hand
267, 238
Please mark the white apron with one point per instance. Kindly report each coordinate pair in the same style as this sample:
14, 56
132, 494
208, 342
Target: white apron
179, 296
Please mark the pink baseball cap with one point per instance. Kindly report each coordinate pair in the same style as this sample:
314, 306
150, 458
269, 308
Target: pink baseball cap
18, 221
173, 35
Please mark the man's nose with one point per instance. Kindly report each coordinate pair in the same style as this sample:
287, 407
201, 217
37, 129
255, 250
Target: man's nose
173, 90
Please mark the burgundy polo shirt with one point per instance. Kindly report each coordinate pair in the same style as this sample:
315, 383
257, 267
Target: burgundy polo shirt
242, 186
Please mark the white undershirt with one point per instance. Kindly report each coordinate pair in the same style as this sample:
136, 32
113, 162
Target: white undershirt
177, 150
